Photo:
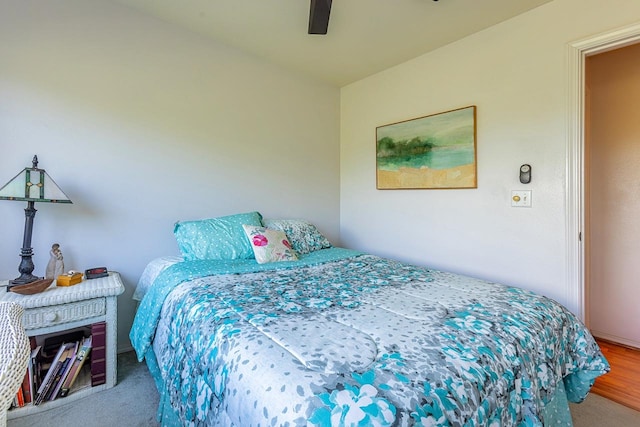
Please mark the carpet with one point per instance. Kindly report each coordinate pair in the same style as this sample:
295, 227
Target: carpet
134, 400
598, 411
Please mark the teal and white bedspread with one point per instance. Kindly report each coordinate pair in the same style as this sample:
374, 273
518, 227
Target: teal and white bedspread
344, 338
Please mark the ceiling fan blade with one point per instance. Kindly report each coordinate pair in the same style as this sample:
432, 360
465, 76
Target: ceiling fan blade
319, 16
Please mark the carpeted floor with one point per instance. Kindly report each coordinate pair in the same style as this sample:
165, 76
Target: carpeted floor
598, 411
134, 401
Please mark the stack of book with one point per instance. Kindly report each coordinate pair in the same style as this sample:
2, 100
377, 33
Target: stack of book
48, 378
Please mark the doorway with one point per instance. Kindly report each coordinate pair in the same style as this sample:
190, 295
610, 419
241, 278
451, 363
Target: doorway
577, 294
612, 181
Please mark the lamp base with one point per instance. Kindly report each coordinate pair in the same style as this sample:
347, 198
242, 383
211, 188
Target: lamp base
26, 264
23, 280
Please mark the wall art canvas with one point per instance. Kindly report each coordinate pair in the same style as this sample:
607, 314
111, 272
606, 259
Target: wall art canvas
437, 151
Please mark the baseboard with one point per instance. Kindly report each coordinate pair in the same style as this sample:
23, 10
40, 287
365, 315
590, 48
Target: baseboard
616, 339
124, 349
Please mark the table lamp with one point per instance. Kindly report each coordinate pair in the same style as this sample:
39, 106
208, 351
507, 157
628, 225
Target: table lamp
31, 185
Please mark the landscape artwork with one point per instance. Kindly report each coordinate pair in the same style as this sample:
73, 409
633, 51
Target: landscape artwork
437, 151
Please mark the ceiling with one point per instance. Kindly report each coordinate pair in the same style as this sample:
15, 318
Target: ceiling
364, 36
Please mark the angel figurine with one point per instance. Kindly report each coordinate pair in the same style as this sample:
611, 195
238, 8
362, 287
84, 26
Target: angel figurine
55, 267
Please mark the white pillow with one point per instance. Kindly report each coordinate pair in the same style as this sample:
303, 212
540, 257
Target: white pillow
269, 245
151, 272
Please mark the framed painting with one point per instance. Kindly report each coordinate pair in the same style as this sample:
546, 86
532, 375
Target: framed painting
437, 151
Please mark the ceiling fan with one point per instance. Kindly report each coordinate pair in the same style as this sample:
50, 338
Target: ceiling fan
319, 16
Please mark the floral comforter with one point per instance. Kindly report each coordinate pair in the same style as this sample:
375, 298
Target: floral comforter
359, 340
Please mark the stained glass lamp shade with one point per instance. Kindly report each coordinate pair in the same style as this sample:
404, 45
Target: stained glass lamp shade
31, 185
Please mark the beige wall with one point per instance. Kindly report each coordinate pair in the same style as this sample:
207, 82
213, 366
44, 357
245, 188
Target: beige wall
613, 79
516, 74
143, 124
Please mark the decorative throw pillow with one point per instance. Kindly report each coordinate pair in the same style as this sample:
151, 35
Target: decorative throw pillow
216, 238
269, 245
303, 235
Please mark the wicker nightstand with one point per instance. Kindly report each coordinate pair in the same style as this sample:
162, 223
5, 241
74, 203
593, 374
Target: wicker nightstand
60, 309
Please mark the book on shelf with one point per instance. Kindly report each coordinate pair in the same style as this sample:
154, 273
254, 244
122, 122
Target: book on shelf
27, 381
53, 373
98, 354
79, 360
46, 381
64, 371
27, 384
19, 399
35, 365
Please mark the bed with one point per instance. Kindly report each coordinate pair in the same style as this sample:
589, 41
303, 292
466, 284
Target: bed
326, 336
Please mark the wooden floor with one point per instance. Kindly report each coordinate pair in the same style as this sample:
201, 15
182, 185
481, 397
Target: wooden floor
622, 384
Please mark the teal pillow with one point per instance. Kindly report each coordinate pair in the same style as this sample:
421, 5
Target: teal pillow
216, 238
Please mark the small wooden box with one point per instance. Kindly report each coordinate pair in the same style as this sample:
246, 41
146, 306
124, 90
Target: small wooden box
69, 279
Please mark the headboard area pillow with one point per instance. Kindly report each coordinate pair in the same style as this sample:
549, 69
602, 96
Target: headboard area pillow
151, 273
303, 235
216, 238
269, 245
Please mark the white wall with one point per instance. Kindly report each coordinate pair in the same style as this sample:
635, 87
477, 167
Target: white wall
143, 124
516, 74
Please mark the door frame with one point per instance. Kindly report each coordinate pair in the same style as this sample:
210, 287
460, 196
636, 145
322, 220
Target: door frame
575, 184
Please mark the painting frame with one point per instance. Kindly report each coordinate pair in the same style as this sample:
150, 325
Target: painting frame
437, 151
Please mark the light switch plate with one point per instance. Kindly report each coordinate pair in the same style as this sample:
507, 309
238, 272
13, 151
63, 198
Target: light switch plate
521, 198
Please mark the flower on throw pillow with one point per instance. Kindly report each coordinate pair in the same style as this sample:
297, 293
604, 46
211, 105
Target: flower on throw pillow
269, 245
260, 240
